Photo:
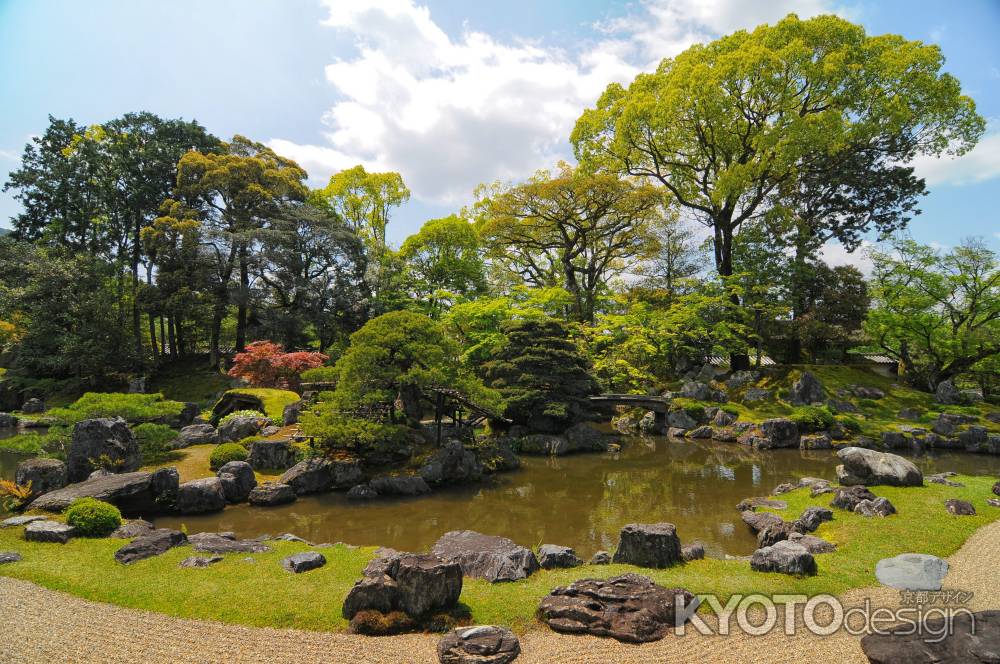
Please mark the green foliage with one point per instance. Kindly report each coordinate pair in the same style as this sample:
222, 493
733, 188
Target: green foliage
544, 379
13, 496
812, 418
443, 263
240, 413
338, 432
324, 374
852, 424
226, 452
92, 517
131, 407
154, 440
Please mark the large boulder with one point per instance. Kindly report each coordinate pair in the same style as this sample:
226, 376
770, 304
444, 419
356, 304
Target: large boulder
149, 545
132, 493
452, 464
195, 434
946, 393
417, 585
778, 432
238, 480
786, 557
402, 485
486, 556
271, 494
480, 644
272, 454
33, 406
240, 427
8, 421
49, 531
233, 401
912, 571
869, 468
318, 474
806, 390
964, 638
290, 414
680, 419
847, 498
44, 475
103, 440
629, 608
200, 496
648, 545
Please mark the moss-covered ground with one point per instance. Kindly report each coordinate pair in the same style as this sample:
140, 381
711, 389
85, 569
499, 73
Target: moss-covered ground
261, 593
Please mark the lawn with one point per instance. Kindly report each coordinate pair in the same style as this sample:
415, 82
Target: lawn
263, 594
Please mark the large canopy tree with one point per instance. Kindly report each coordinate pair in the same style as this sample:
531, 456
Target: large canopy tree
937, 313
726, 127
573, 230
443, 261
235, 192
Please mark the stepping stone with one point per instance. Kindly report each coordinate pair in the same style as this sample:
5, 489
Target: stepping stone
199, 562
482, 644
303, 562
49, 531
9, 557
147, 546
219, 543
132, 529
912, 571
20, 521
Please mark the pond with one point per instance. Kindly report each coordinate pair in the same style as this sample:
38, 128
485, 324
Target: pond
580, 501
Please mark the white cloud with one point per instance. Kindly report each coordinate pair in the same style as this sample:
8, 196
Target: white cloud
833, 254
449, 112
10, 154
979, 164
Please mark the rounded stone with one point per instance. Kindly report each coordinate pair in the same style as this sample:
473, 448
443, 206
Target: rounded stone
481, 644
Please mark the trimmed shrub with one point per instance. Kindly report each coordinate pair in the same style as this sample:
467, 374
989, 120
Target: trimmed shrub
226, 452
325, 374
812, 418
335, 431
92, 517
153, 441
132, 407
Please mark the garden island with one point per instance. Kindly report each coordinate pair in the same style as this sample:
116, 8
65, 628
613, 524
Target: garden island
563, 423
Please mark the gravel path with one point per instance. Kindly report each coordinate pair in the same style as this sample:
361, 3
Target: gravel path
40, 625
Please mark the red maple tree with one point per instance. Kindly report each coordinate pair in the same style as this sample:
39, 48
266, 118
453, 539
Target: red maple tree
266, 364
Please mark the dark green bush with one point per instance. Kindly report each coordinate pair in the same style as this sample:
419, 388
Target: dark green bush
324, 374
154, 441
226, 452
812, 418
852, 424
132, 407
732, 410
868, 403
92, 517
334, 431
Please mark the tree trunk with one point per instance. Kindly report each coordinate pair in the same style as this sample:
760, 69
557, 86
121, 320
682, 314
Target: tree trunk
172, 336
241, 312
724, 265
136, 320
153, 346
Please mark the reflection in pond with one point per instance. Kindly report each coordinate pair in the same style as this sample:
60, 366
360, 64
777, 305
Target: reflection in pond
580, 501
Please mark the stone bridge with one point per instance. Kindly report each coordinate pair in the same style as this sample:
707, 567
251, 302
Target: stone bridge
659, 405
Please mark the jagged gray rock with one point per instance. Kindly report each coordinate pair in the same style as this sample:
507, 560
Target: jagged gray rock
486, 556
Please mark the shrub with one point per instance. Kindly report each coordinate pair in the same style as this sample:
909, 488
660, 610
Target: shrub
732, 410
812, 418
226, 452
154, 441
852, 424
92, 517
335, 431
266, 364
240, 413
324, 374
13, 496
132, 407
868, 403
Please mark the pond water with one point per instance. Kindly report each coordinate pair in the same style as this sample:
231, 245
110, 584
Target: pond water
580, 501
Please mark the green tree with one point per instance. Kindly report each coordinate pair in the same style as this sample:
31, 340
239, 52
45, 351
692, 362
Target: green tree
365, 200
937, 313
235, 192
724, 126
443, 261
572, 230
543, 377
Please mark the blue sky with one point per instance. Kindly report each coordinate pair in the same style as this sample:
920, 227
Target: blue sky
450, 93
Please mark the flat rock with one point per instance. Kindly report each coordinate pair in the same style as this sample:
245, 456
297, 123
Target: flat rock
785, 557
758, 521
9, 557
812, 544
195, 434
629, 608
869, 468
200, 496
199, 561
303, 562
486, 556
319, 474
138, 492
20, 521
219, 543
149, 545
49, 531
270, 494
132, 528
481, 644
754, 503
553, 556
959, 507
648, 545
970, 639
943, 478
407, 485
912, 571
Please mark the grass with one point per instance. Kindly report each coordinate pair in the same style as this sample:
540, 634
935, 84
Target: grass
54, 442
132, 407
190, 380
263, 594
274, 400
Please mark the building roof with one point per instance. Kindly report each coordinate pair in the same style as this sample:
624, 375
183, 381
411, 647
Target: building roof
723, 361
